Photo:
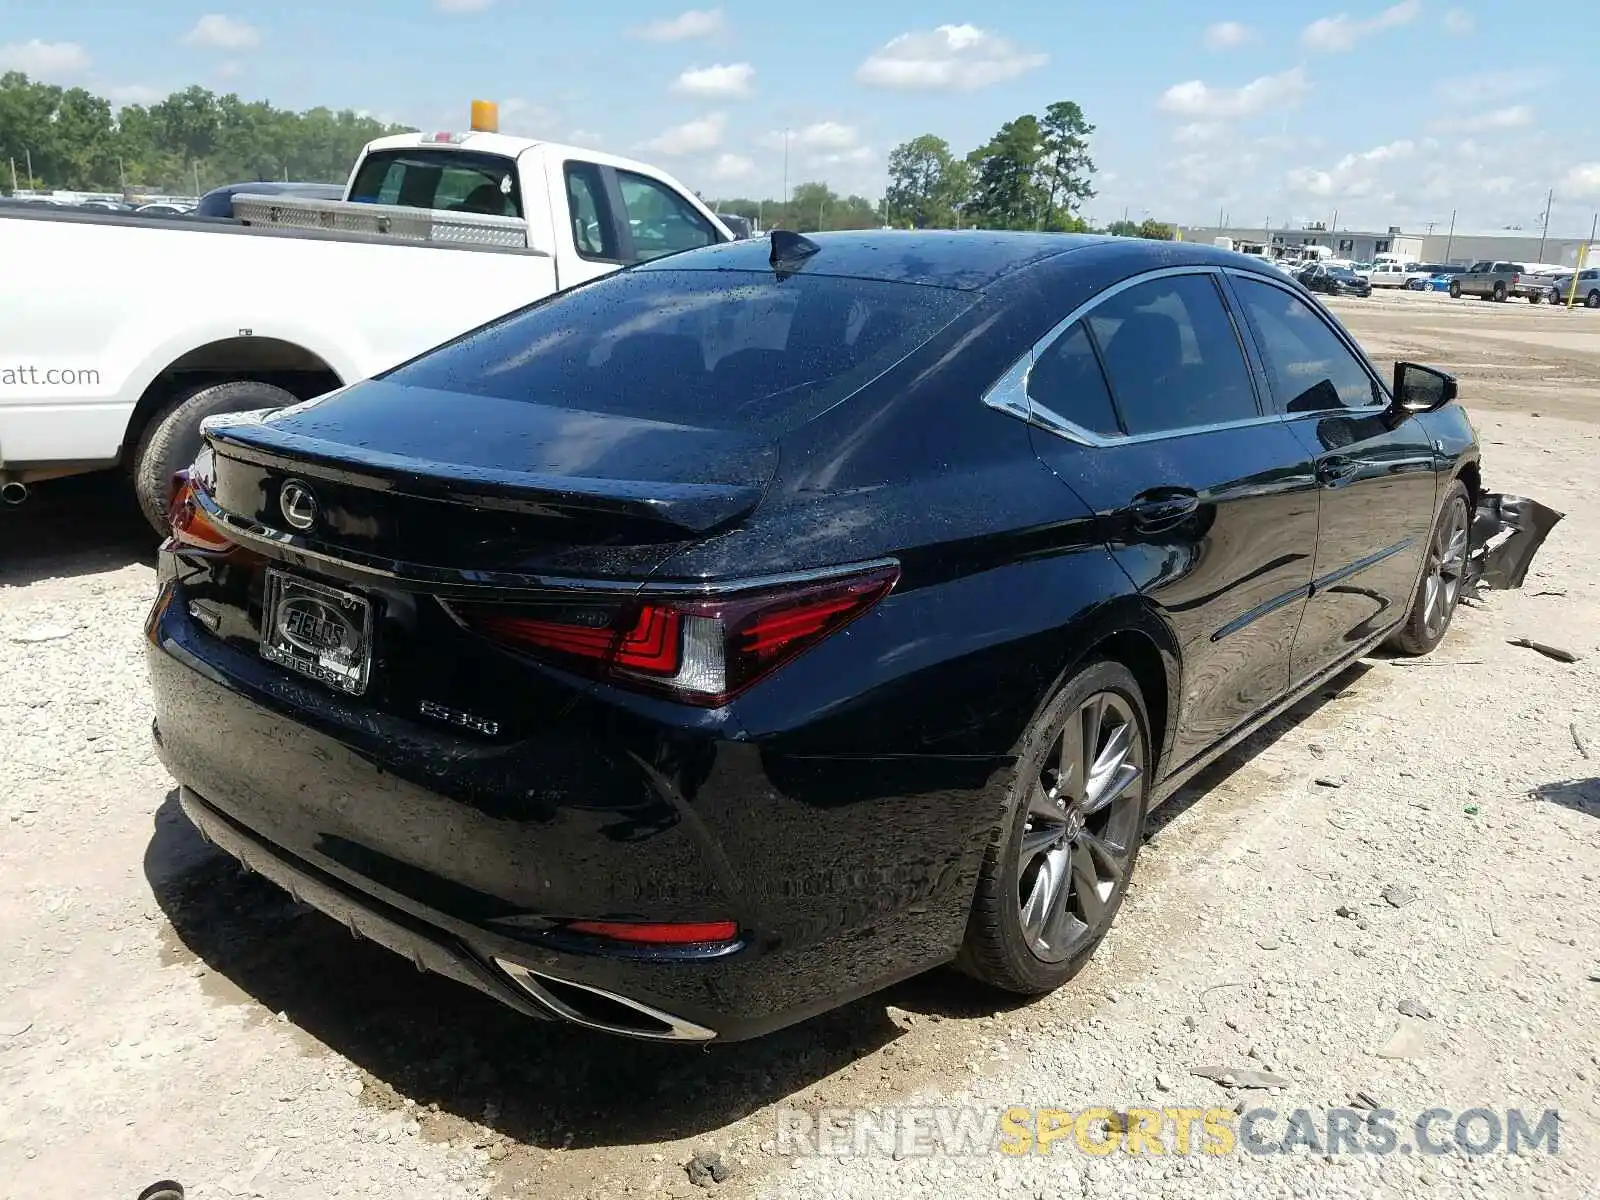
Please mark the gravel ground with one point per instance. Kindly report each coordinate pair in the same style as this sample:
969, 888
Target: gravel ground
164, 1016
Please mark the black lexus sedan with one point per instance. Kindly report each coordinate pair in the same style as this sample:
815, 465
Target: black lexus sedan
1335, 281
744, 631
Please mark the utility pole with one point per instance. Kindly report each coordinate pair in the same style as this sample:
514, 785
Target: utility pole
13, 173
1220, 225
1549, 200
1449, 242
197, 177
786, 168
27, 155
122, 175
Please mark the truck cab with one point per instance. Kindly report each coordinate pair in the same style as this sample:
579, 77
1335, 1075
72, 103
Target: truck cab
617, 211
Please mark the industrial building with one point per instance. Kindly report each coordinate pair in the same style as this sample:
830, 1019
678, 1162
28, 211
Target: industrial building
1456, 248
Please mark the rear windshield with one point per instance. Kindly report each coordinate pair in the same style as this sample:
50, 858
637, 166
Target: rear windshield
443, 178
732, 350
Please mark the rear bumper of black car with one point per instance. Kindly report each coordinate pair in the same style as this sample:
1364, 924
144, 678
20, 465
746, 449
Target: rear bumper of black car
841, 876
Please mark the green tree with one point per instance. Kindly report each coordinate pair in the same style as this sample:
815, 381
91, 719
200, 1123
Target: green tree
927, 184
1066, 164
1005, 186
1155, 230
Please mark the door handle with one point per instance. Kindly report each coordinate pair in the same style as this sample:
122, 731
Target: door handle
1336, 469
1156, 512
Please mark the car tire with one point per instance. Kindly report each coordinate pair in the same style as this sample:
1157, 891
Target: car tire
1444, 565
1034, 922
171, 437
1534, 297
1455, 290
1499, 292
1592, 300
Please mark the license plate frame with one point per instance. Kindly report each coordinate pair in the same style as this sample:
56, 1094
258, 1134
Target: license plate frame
298, 617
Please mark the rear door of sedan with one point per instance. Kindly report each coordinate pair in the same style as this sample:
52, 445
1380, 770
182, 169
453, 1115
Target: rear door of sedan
1375, 472
1143, 403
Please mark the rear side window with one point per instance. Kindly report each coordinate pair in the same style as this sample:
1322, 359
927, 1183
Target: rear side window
1172, 356
453, 180
1311, 369
1066, 378
742, 351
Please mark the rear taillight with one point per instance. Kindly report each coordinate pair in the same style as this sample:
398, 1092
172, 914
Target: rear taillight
191, 528
699, 651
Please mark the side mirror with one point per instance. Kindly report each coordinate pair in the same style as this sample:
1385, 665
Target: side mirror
1420, 389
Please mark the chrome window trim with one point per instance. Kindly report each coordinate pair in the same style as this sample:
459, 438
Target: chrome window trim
1009, 394
1339, 333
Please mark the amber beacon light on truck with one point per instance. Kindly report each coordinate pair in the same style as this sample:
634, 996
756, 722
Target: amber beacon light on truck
485, 119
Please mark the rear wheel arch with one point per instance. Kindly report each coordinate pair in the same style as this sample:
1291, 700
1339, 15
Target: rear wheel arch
1129, 634
275, 361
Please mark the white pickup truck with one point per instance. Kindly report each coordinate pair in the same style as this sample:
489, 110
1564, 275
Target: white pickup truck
120, 333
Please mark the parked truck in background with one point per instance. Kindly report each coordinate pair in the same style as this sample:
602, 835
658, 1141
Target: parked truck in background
1497, 281
120, 334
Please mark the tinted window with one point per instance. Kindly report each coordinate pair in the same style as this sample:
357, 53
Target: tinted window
730, 350
593, 234
454, 180
1066, 379
1172, 356
1311, 370
662, 221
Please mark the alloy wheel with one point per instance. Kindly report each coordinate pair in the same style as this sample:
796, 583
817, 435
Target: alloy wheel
1447, 561
1082, 828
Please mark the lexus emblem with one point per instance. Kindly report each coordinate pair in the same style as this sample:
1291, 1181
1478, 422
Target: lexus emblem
299, 504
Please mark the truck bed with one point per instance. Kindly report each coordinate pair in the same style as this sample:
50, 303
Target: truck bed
240, 227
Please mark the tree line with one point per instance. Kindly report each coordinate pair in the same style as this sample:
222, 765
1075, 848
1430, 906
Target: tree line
70, 138
1034, 173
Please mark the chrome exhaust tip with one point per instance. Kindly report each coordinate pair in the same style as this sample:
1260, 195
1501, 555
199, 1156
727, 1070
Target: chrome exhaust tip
14, 493
607, 1012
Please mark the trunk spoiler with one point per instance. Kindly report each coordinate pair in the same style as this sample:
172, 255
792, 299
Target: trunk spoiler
672, 507
1507, 532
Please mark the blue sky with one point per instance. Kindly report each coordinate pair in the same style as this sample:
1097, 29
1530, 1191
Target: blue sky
1391, 113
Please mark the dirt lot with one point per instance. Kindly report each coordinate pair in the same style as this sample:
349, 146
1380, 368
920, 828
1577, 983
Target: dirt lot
164, 1016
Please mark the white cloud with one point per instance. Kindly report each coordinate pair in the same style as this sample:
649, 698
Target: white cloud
1459, 22
1198, 133
731, 168
1517, 116
1354, 175
221, 32
1487, 86
818, 137
134, 93
1582, 182
960, 58
1225, 35
1198, 99
730, 80
1334, 35
692, 137
696, 23
51, 61
524, 118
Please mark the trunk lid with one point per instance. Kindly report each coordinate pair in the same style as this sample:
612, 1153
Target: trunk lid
432, 484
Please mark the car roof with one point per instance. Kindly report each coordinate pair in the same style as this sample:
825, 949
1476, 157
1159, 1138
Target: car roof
963, 259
